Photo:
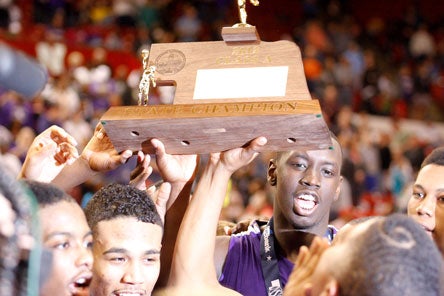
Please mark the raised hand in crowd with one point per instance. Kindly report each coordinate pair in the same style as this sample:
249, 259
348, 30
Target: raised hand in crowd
100, 153
49, 153
300, 279
98, 156
139, 179
178, 170
178, 173
191, 268
139, 176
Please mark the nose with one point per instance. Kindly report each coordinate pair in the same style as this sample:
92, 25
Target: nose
133, 274
310, 179
85, 257
426, 207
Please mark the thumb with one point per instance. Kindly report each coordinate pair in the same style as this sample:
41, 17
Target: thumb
163, 194
125, 155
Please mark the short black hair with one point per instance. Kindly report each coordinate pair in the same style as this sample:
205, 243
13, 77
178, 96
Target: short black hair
47, 194
434, 157
116, 200
394, 257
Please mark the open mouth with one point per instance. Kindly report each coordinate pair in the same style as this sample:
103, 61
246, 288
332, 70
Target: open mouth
80, 286
305, 203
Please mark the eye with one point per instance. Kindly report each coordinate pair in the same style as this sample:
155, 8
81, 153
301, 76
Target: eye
62, 246
418, 195
117, 259
299, 165
88, 245
440, 199
152, 259
328, 173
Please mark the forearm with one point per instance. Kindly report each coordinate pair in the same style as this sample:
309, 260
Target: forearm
173, 220
193, 257
179, 190
74, 174
194, 260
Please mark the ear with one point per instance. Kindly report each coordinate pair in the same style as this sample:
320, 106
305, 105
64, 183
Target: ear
332, 288
307, 288
271, 174
338, 189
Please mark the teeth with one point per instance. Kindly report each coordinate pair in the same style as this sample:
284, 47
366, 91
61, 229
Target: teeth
81, 281
128, 294
307, 205
307, 197
306, 201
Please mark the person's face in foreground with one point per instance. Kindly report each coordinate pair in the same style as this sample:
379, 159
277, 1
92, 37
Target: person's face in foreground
126, 257
426, 206
66, 233
335, 256
307, 184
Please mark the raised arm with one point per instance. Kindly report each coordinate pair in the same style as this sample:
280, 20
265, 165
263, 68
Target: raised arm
98, 156
180, 172
48, 154
193, 264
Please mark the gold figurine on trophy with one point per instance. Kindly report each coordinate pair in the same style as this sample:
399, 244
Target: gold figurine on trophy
147, 79
243, 12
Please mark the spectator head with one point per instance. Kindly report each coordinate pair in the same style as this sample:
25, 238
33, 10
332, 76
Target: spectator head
426, 204
127, 233
67, 235
307, 182
380, 256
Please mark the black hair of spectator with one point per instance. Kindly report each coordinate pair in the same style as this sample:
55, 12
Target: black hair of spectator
435, 157
394, 257
47, 194
116, 200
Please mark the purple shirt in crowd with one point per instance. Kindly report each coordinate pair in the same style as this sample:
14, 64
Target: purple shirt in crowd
242, 270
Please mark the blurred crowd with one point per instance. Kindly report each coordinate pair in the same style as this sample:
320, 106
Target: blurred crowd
384, 67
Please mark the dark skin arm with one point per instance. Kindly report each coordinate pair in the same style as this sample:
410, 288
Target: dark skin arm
198, 230
179, 171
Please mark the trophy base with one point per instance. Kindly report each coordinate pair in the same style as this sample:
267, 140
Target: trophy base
215, 127
240, 33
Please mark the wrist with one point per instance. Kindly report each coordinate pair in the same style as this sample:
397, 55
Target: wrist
83, 164
223, 172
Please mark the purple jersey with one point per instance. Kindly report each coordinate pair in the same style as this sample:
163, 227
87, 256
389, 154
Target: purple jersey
242, 270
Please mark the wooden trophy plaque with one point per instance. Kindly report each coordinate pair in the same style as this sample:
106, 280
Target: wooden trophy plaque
227, 93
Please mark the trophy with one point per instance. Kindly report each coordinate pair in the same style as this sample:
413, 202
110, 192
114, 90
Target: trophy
227, 93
